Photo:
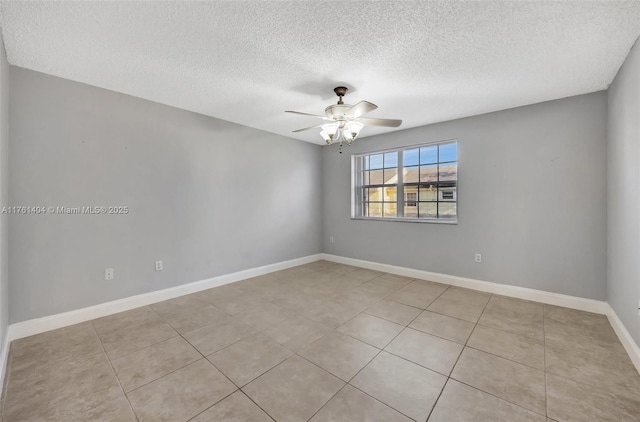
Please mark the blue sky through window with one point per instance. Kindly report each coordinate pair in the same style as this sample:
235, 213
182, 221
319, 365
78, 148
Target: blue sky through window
448, 152
429, 155
375, 162
411, 157
391, 159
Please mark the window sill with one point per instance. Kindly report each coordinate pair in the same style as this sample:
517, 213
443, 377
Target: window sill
408, 220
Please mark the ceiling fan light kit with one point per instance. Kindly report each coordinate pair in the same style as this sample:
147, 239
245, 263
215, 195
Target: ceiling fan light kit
346, 120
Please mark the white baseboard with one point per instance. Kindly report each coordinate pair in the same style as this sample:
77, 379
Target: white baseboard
625, 338
589, 305
52, 322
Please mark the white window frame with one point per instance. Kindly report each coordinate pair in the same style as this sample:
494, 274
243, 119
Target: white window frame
356, 186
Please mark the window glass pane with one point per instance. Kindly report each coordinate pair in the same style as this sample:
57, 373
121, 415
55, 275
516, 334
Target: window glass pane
390, 209
391, 159
375, 177
429, 173
448, 152
427, 209
375, 161
411, 174
428, 193
411, 201
447, 209
375, 194
375, 209
411, 212
410, 194
390, 195
448, 171
410, 157
390, 176
429, 155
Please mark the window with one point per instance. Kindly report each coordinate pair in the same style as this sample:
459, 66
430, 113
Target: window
417, 183
411, 199
445, 195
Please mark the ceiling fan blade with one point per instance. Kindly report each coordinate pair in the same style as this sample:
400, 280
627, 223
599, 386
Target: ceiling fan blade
359, 109
381, 122
308, 114
307, 128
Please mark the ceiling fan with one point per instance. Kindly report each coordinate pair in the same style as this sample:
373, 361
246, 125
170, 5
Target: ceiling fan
346, 120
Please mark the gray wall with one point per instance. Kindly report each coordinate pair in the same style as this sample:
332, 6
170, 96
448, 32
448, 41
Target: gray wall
531, 200
532, 191
4, 192
623, 194
206, 196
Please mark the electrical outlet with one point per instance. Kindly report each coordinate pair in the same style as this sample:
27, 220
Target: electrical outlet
478, 257
330, 239
158, 265
108, 274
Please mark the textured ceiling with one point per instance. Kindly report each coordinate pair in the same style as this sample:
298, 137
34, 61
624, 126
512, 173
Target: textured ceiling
247, 62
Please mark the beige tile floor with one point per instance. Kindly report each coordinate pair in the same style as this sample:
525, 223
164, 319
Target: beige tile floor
327, 342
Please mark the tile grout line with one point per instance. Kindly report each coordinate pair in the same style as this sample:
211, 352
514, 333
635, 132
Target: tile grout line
237, 387
435, 403
162, 376
380, 350
529, 337
259, 407
330, 398
104, 351
272, 368
456, 362
380, 401
367, 364
440, 313
499, 398
198, 328
199, 413
184, 366
240, 387
475, 388
507, 359
411, 328
447, 380
142, 348
572, 349
379, 299
212, 364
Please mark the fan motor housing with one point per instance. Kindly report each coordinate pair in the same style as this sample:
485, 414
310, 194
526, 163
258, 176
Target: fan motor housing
337, 111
